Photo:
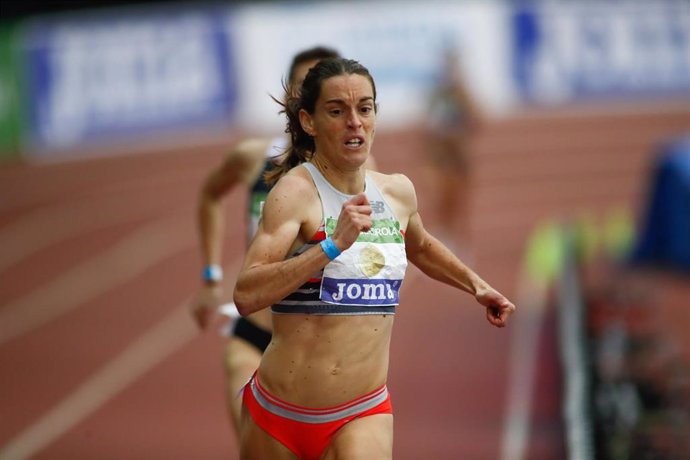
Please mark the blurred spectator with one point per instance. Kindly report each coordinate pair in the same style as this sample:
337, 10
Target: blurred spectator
640, 386
453, 121
640, 391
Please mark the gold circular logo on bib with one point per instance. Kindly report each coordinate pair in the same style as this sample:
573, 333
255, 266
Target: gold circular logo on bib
371, 260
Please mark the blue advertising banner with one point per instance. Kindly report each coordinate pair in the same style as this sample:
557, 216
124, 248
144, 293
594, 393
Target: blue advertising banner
564, 52
105, 77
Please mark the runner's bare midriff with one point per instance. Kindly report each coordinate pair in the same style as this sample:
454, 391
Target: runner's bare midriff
312, 356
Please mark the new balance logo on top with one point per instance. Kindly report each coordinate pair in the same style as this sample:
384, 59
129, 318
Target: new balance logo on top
377, 207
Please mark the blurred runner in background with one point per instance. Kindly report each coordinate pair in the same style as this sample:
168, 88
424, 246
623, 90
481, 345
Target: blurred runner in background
453, 122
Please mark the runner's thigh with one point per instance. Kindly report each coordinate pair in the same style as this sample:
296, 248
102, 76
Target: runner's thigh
256, 444
366, 438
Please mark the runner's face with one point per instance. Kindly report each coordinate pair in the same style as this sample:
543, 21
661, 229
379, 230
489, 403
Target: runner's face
344, 120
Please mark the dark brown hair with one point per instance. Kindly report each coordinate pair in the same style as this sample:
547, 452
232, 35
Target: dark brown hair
302, 144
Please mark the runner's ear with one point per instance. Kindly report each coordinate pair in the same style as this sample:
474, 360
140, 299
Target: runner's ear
307, 122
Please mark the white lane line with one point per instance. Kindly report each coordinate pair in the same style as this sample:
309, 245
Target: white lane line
141, 355
151, 348
134, 254
526, 328
539, 270
44, 227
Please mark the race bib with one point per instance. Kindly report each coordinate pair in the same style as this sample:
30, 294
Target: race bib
371, 271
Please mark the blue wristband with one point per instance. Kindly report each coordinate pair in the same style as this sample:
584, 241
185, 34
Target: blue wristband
330, 248
213, 273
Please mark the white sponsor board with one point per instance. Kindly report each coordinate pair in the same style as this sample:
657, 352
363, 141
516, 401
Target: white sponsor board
400, 42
